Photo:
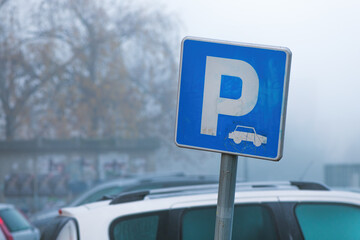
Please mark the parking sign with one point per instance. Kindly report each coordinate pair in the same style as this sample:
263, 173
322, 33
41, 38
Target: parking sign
232, 98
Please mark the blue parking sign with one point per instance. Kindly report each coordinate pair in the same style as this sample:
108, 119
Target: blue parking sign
232, 98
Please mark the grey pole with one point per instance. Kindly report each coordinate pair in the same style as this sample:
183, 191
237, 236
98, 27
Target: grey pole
226, 195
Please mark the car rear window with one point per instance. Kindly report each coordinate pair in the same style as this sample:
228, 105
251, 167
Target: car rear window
250, 222
328, 221
14, 221
137, 228
149, 226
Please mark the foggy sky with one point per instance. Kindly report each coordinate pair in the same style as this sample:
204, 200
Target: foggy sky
323, 113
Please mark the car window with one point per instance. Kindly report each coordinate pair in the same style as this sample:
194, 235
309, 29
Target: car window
139, 227
328, 221
250, 222
14, 221
244, 129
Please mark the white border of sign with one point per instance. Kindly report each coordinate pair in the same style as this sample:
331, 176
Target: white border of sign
284, 100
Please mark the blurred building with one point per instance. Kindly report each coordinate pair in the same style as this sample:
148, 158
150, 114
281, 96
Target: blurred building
36, 172
342, 175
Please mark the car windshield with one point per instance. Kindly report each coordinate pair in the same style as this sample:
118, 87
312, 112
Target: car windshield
14, 220
244, 129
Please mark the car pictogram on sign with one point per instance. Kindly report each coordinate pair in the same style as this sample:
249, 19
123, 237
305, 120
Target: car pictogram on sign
244, 133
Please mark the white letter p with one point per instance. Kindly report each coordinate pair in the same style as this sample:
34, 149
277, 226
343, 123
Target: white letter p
213, 104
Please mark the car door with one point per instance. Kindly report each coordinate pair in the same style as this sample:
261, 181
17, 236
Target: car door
2, 236
255, 221
27, 234
254, 218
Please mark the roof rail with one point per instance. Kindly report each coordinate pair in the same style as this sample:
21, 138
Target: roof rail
129, 197
163, 192
309, 185
212, 188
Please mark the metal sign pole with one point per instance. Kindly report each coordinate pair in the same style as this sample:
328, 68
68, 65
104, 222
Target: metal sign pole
226, 195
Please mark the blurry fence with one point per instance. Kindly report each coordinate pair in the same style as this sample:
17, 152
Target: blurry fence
37, 173
49, 185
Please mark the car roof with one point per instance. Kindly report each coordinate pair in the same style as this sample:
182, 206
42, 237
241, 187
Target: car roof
6, 205
162, 199
143, 202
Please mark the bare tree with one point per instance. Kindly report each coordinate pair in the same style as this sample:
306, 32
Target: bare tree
124, 69
27, 66
2, 3
86, 68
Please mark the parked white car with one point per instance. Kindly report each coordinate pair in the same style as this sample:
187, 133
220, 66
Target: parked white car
285, 210
118, 186
243, 133
14, 226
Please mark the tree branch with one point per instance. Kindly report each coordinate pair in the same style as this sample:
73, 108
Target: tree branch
2, 3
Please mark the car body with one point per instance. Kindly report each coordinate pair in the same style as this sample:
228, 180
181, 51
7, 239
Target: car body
283, 210
14, 226
115, 187
3, 233
244, 133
